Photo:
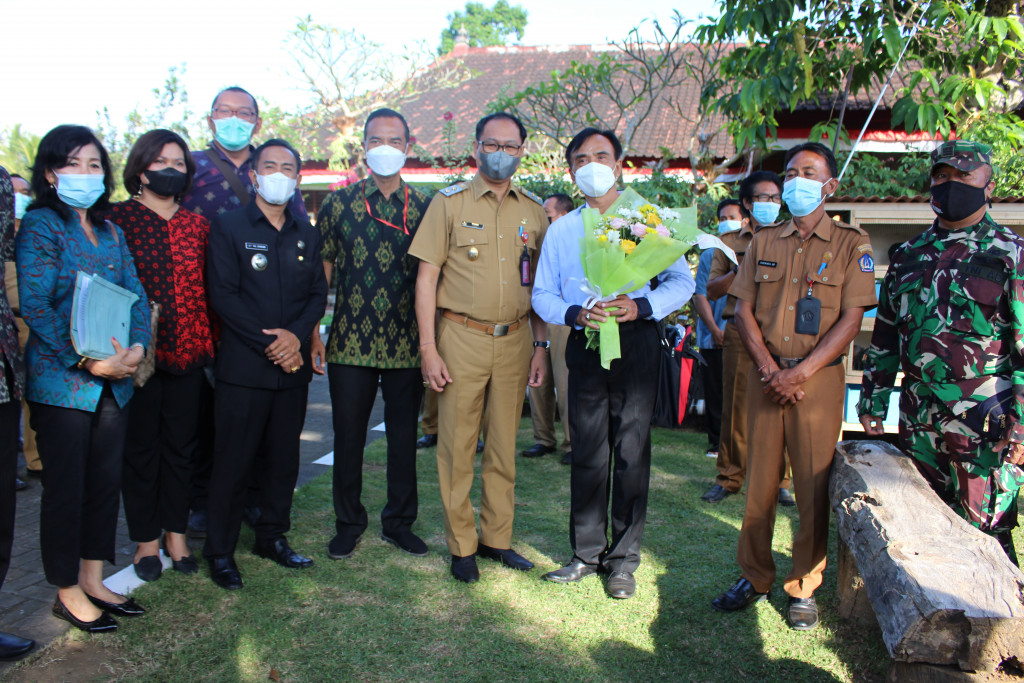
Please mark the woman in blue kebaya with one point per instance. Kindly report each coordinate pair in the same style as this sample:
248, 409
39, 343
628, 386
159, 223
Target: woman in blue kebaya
79, 405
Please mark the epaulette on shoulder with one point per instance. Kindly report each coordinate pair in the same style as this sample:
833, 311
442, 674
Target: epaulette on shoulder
453, 189
849, 226
532, 196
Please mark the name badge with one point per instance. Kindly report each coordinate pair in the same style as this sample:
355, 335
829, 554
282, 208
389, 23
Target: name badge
768, 264
475, 226
255, 246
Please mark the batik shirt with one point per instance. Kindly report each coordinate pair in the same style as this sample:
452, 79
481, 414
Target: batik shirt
10, 355
367, 236
951, 316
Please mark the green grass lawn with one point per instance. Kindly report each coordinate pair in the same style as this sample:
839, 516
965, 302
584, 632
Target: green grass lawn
382, 615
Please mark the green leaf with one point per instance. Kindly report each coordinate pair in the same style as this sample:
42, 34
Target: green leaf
893, 40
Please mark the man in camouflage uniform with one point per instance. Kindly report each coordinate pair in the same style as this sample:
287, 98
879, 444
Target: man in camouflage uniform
951, 316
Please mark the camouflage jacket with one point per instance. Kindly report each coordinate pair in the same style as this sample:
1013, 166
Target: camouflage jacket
951, 316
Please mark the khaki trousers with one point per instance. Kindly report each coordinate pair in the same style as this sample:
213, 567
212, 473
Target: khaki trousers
554, 391
808, 430
483, 368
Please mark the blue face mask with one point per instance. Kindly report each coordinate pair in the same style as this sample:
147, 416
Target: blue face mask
21, 202
233, 134
802, 195
765, 213
80, 190
729, 226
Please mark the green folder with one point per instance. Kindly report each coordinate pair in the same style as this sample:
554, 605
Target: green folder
100, 311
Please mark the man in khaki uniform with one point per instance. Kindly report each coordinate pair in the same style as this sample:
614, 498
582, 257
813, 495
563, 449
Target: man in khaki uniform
761, 197
478, 245
803, 289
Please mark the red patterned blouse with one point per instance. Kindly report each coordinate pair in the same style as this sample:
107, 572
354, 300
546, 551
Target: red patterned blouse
170, 257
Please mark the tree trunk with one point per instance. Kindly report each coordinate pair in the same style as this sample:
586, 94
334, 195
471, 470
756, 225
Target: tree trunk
942, 591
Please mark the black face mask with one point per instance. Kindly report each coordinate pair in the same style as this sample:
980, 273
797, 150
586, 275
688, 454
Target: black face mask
167, 182
955, 201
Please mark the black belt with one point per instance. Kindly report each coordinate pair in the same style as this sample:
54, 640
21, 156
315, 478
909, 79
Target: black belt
790, 363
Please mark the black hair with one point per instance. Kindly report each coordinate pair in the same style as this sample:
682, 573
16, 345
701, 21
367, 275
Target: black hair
731, 202
55, 149
748, 183
817, 148
385, 113
235, 88
276, 142
581, 137
146, 150
15, 175
497, 116
562, 201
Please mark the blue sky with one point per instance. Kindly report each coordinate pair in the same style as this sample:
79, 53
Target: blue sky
67, 60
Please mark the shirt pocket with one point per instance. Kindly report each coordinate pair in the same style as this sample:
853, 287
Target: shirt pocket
827, 288
973, 304
907, 283
770, 287
470, 244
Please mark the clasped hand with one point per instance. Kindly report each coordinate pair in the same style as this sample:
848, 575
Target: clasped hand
122, 364
621, 307
782, 386
285, 351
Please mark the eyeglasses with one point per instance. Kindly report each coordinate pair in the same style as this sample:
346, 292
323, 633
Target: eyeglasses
490, 146
776, 198
223, 112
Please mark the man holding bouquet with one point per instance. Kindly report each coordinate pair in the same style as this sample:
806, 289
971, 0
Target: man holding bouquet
610, 402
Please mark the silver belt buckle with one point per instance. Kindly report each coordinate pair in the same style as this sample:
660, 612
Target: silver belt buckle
500, 330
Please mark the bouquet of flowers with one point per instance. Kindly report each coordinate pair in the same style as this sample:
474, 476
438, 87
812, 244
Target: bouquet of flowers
623, 249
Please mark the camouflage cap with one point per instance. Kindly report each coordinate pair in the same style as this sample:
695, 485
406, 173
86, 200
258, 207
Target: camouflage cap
962, 155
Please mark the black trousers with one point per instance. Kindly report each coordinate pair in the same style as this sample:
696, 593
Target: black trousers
610, 427
10, 420
163, 434
82, 454
202, 459
251, 422
353, 391
712, 375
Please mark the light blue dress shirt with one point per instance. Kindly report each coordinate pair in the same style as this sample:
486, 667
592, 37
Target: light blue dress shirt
560, 276
704, 338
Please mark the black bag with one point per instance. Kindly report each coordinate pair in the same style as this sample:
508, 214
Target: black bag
989, 418
674, 367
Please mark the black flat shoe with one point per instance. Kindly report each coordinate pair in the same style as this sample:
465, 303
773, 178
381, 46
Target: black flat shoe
464, 568
406, 540
803, 613
13, 647
786, 498
224, 573
508, 557
103, 624
716, 494
426, 441
576, 570
186, 565
149, 568
742, 594
128, 608
279, 551
537, 450
621, 585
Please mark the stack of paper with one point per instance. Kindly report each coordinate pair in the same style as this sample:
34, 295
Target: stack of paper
100, 311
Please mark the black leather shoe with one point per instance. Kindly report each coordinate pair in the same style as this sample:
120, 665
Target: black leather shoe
537, 450
405, 540
13, 647
186, 565
35, 474
741, 595
197, 524
479, 445
342, 546
279, 551
426, 441
567, 458
128, 608
786, 498
508, 557
102, 624
621, 585
251, 516
576, 570
149, 568
803, 613
224, 573
20, 485
716, 494
464, 568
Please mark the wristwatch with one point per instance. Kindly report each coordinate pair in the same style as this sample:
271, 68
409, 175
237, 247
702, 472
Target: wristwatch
546, 345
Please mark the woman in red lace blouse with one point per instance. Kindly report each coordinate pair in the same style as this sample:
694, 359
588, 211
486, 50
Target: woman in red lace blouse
168, 243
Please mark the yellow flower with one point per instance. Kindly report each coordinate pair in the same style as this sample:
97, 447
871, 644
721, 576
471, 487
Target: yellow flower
628, 246
651, 231
602, 238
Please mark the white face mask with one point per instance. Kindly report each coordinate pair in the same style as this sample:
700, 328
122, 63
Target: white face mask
385, 160
594, 179
276, 188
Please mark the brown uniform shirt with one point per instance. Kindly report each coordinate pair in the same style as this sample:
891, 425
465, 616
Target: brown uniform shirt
476, 243
774, 275
738, 241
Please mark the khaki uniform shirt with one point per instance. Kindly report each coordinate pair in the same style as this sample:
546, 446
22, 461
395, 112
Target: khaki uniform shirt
774, 276
738, 241
476, 243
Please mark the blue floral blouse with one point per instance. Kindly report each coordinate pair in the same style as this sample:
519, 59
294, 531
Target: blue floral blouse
49, 252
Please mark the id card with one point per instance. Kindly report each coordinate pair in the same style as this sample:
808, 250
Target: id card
808, 315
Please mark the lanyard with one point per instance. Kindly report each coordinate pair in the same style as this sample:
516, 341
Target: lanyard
405, 211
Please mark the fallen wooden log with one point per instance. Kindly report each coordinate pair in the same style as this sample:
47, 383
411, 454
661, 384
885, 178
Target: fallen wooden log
943, 592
